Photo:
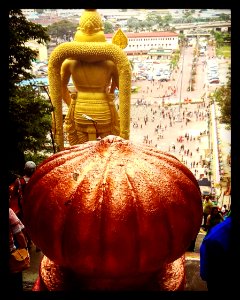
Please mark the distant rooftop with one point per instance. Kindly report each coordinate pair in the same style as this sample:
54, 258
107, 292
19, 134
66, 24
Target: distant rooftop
146, 34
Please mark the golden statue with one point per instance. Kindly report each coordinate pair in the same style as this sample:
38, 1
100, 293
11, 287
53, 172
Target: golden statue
97, 68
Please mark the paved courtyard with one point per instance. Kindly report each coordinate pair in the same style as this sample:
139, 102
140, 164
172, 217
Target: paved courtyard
169, 117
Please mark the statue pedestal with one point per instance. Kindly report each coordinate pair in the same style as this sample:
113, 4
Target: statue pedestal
52, 278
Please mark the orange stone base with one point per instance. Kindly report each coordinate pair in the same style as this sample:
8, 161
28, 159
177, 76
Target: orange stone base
52, 278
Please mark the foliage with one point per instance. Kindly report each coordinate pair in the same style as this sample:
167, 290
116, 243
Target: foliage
182, 40
221, 38
21, 56
132, 64
108, 27
40, 11
29, 125
133, 24
24, 106
29, 113
152, 20
63, 29
175, 59
135, 89
224, 51
223, 98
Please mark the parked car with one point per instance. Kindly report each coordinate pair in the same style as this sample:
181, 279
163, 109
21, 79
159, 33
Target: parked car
166, 73
214, 80
212, 72
213, 75
139, 77
150, 77
143, 74
164, 79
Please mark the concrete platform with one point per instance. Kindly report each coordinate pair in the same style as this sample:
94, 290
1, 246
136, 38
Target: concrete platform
193, 280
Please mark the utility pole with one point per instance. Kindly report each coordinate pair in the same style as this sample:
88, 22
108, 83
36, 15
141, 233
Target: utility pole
181, 79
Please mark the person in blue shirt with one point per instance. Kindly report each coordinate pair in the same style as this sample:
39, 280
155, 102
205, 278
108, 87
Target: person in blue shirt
219, 256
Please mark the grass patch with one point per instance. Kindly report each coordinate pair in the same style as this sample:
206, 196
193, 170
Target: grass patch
135, 89
224, 51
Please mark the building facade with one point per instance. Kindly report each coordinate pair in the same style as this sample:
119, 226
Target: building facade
42, 53
143, 42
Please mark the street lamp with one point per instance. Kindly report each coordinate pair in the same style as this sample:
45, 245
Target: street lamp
181, 79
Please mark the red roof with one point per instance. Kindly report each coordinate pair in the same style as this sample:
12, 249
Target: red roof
45, 21
146, 34
136, 51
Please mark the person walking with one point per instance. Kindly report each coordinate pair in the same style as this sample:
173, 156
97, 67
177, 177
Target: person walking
207, 206
17, 239
214, 218
17, 191
219, 256
18, 186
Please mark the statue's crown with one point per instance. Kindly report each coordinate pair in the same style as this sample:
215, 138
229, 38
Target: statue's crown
90, 27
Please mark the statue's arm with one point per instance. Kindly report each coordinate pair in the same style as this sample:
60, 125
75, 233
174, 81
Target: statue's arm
65, 76
115, 80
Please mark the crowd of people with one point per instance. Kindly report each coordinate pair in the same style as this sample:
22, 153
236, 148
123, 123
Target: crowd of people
170, 128
212, 214
19, 237
167, 128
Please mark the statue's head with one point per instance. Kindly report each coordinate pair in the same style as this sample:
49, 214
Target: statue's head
90, 27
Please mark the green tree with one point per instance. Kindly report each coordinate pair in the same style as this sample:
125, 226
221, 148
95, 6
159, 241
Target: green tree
142, 25
222, 97
175, 59
63, 29
133, 24
108, 27
20, 56
159, 22
40, 10
29, 112
132, 64
221, 38
224, 17
167, 19
182, 40
187, 14
149, 24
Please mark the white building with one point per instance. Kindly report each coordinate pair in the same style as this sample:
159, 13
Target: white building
142, 42
42, 54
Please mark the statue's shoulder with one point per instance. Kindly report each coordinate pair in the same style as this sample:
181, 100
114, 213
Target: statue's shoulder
109, 63
68, 62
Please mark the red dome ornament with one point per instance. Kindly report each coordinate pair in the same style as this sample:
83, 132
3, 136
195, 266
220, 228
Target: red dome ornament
112, 211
